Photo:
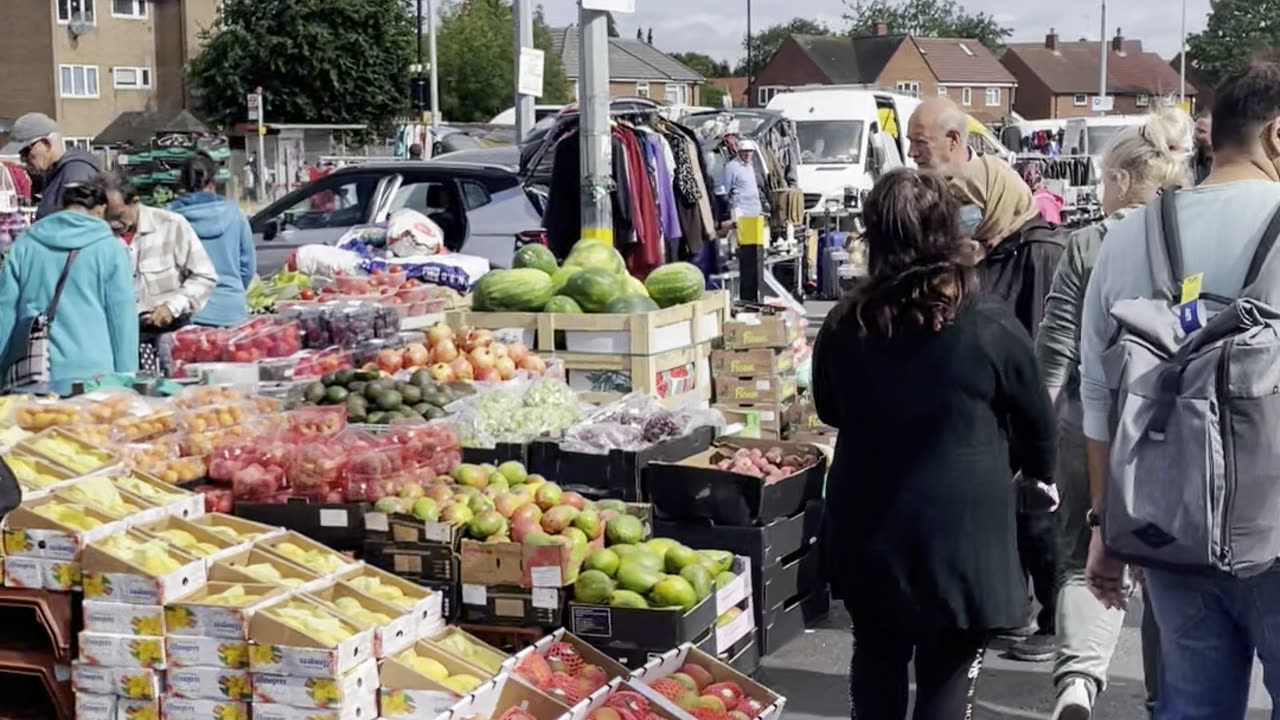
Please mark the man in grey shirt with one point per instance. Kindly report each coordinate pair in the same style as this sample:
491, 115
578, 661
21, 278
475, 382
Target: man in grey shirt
1210, 627
36, 140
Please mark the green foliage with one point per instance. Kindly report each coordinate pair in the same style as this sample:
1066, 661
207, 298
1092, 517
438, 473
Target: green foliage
703, 64
476, 55
766, 42
925, 18
316, 60
1238, 31
713, 96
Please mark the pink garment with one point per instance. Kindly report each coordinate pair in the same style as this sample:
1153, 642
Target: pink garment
1050, 205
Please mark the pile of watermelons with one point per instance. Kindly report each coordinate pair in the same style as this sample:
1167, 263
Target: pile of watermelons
593, 279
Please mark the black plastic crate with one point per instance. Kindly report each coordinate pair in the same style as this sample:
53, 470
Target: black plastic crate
418, 561
619, 473
635, 656
790, 577
641, 627
450, 600
340, 526
782, 625
765, 545
503, 452
514, 606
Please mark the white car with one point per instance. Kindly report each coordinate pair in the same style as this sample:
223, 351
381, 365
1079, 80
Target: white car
508, 116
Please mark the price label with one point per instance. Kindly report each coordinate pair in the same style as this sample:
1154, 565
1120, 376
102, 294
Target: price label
332, 517
547, 576
547, 598
376, 522
438, 532
474, 595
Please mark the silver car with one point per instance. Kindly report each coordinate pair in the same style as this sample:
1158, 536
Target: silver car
482, 209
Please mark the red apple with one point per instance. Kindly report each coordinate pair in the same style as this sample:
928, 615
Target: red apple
488, 375
442, 373
534, 364
482, 358
499, 350
517, 352
438, 333
445, 351
506, 368
418, 355
462, 369
390, 361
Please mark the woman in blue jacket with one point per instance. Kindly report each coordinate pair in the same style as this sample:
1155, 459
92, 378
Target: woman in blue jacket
224, 230
95, 331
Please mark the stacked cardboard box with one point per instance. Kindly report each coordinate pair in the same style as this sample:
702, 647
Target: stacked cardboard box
755, 378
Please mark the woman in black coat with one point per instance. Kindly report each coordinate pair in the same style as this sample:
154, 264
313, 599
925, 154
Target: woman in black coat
929, 383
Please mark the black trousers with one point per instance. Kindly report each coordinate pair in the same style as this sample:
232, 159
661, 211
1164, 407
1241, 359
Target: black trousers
947, 666
1041, 554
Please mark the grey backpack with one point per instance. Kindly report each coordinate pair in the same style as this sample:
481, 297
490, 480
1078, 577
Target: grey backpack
1195, 453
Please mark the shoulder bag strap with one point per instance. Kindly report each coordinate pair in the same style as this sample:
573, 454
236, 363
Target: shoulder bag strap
1260, 256
1164, 253
57, 291
1172, 236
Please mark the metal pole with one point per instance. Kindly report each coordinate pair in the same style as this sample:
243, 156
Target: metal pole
262, 147
435, 75
1182, 79
593, 121
751, 75
524, 38
1102, 75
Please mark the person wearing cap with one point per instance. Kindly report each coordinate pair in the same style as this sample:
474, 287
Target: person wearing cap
740, 184
36, 140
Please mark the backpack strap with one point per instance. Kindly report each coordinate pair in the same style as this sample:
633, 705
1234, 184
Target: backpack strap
1164, 250
1262, 254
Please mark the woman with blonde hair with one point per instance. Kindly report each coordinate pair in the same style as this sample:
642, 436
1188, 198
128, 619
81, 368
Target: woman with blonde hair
1136, 165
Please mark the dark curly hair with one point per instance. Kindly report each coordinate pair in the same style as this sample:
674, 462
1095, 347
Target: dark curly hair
920, 268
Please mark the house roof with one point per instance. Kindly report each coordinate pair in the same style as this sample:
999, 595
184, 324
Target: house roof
1074, 68
139, 127
734, 87
850, 61
628, 59
961, 60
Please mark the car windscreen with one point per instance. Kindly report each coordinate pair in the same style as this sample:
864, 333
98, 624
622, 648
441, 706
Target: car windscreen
1100, 136
833, 142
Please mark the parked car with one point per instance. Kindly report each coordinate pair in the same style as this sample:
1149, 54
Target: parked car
481, 208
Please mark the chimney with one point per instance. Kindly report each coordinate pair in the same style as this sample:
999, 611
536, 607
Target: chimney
1051, 40
1117, 43
882, 29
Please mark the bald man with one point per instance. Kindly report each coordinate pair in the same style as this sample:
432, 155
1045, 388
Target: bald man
939, 136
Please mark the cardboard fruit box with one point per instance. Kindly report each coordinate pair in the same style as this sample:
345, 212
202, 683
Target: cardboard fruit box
27, 533
303, 692
279, 545
513, 606
131, 651
113, 577
196, 615
245, 530
764, 327
771, 389
279, 648
142, 510
133, 683
614, 692
198, 651
464, 646
770, 704
232, 570
426, 605
589, 654
119, 618
388, 638
759, 362
696, 489
362, 707
175, 501
408, 693
521, 565
502, 693
226, 547
179, 708
88, 460
209, 683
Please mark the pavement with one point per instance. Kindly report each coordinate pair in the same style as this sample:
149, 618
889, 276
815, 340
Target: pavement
812, 672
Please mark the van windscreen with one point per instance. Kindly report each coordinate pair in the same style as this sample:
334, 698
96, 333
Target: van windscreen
836, 142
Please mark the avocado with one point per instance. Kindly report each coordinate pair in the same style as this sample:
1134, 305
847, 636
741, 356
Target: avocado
356, 387
357, 408
372, 389
421, 378
376, 418
438, 398
434, 413
388, 400
344, 377
367, 375
335, 395
421, 408
314, 392
329, 378
412, 394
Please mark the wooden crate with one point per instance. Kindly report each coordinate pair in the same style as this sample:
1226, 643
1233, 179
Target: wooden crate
676, 327
604, 378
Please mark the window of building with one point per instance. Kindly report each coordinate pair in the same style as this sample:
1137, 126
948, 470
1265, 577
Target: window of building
136, 9
82, 143
1143, 100
677, 94
942, 91
993, 97
68, 9
908, 87
966, 96
78, 81
1081, 100
767, 93
131, 78
642, 89
966, 49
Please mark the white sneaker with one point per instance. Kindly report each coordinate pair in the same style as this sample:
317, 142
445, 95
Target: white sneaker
1075, 702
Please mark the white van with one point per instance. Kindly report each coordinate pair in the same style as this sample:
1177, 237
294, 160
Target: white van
1090, 135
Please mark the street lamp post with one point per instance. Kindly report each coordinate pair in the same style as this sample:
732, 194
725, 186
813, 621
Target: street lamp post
751, 75
1182, 80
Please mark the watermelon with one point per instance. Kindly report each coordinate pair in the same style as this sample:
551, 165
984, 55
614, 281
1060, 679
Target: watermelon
538, 257
520, 289
675, 283
591, 255
561, 276
562, 304
635, 287
593, 289
628, 304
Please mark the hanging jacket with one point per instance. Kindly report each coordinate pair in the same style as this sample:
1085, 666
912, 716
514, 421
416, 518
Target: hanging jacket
224, 231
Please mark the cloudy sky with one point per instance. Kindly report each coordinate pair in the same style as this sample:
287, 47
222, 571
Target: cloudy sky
716, 27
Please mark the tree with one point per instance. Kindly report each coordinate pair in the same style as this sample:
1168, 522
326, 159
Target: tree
924, 18
1238, 31
474, 49
317, 61
704, 65
765, 43
613, 25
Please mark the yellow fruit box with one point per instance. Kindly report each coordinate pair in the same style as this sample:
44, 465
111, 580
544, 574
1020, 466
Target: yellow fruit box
358, 708
492, 698
29, 533
319, 556
232, 569
196, 615
143, 510
407, 693
469, 649
225, 546
177, 708
388, 638
130, 651
70, 451
137, 709
37, 574
209, 683
311, 692
280, 648
90, 706
174, 500
123, 618
427, 606
243, 530
196, 651
36, 472
113, 577
133, 683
